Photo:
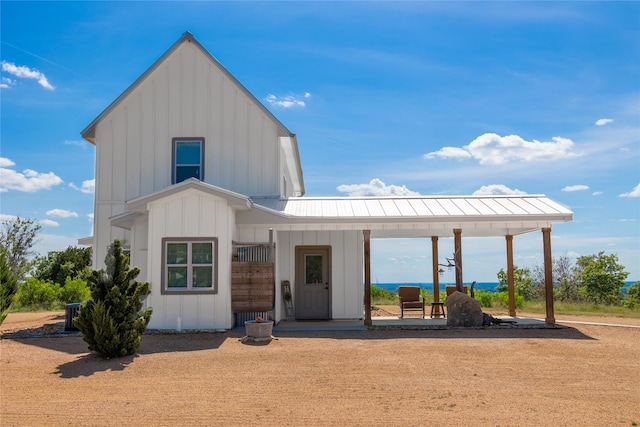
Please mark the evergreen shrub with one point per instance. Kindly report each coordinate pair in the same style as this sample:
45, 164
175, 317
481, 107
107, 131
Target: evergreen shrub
111, 322
8, 286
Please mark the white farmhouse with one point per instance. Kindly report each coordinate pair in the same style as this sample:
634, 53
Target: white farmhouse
204, 188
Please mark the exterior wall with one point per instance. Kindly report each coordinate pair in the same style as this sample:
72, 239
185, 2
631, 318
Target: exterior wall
190, 214
186, 96
347, 274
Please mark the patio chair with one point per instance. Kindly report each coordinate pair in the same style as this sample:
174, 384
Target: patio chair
410, 299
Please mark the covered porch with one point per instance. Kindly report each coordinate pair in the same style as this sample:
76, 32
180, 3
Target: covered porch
432, 218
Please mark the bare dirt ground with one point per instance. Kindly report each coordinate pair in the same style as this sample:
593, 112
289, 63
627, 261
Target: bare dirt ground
580, 375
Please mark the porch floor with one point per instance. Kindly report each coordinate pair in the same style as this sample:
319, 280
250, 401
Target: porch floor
393, 322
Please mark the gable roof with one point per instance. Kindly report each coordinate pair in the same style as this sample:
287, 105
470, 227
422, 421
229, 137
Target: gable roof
138, 206
290, 147
89, 132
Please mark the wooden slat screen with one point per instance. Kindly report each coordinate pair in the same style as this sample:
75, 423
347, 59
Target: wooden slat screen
252, 286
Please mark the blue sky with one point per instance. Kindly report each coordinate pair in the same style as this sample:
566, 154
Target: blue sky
426, 98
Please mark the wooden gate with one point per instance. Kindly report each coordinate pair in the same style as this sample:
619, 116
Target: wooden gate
252, 286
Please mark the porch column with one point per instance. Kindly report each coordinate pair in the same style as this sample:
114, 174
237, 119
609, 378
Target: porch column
436, 274
457, 250
510, 282
548, 274
367, 277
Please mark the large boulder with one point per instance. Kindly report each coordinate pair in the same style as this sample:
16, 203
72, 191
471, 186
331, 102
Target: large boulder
463, 311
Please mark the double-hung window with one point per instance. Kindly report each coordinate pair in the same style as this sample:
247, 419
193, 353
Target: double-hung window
188, 159
189, 265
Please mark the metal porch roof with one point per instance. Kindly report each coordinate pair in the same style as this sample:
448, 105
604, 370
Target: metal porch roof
419, 216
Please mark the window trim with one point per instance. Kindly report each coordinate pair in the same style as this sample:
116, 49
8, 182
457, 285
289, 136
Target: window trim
165, 290
174, 143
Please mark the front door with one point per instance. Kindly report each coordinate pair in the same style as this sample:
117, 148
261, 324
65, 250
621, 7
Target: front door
313, 282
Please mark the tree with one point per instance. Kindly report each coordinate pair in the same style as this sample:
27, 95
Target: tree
8, 286
16, 240
632, 297
601, 277
566, 285
522, 281
57, 266
111, 321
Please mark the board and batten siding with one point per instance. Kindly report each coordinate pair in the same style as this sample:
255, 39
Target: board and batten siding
347, 277
187, 95
190, 214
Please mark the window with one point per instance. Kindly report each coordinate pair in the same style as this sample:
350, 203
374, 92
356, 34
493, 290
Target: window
188, 159
189, 265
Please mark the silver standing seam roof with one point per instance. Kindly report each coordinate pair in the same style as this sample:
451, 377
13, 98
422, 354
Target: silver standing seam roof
416, 216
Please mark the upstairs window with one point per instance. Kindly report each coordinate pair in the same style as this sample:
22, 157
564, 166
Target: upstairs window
188, 159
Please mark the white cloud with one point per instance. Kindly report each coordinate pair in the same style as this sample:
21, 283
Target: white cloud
26, 73
602, 122
375, 187
633, 193
497, 189
5, 163
287, 101
449, 153
6, 83
62, 213
5, 218
569, 188
596, 193
90, 216
88, 186
77, 143
28, 181
493, 149
49, 223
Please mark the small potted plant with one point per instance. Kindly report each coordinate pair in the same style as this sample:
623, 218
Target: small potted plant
259, 329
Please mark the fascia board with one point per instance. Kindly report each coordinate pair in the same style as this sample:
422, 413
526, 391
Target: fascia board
235, 200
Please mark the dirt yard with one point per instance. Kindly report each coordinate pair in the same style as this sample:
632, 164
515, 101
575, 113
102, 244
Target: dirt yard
582, 375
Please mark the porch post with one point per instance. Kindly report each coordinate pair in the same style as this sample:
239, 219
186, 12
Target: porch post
436, 274
457, 248
367, 277
434, 267
548, 274
510, 283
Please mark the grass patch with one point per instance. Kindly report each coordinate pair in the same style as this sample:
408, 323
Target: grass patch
584, 309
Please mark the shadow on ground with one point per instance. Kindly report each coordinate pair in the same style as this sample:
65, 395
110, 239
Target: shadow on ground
563, 332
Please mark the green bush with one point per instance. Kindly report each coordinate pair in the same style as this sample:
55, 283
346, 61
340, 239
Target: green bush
37, 294
502, 299
74, 290
632, 297
485, 298
381, 296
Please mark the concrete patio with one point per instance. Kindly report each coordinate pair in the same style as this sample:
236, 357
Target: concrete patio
395, 322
